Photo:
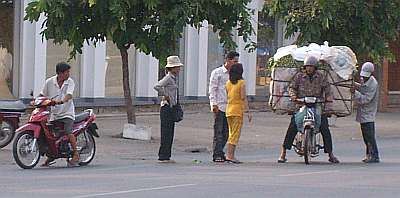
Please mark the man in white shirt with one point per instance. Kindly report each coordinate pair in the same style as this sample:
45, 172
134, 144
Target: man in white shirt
218, 101
60, 88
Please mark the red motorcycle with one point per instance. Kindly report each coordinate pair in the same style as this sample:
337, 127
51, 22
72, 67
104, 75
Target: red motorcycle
39, 137
10, 112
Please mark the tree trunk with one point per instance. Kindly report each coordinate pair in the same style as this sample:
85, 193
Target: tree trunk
127, 89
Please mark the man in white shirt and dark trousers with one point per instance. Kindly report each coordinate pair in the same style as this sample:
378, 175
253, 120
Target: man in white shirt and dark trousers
218, 101
366, 95
60, 88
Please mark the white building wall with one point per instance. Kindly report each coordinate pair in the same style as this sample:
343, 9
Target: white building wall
196, 48
32, 55
248, 59
145, 67
93, 70
146, 74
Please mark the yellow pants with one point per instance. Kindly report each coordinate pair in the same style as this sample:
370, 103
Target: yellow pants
235, 127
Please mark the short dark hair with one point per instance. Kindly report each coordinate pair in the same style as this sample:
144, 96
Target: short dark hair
231, 55
235, 73
62, 67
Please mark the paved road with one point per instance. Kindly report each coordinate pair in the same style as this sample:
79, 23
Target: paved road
259, 176
128, 168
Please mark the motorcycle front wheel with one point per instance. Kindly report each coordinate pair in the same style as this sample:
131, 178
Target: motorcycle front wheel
307, 145
7, 132
25, 150
86, 147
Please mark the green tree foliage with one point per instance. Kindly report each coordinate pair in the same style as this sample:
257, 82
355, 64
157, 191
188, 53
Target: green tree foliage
152, 26
364, 26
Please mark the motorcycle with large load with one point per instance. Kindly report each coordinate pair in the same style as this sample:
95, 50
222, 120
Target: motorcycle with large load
337, 64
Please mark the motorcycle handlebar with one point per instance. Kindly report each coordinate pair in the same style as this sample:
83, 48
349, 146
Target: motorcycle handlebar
46, 103
304, 101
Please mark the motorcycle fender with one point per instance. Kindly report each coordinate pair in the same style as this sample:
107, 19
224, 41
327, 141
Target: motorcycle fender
30, 127
308, 125
92, 130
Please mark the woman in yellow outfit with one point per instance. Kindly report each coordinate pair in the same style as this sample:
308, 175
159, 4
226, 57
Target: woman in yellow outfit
237, 104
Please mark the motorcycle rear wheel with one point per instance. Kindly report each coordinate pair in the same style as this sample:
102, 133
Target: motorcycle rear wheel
87, 148
307, 145
25, 154
7, 132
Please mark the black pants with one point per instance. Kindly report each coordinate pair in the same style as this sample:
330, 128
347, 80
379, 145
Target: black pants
324, 129
167, 133
221, 133
368, 133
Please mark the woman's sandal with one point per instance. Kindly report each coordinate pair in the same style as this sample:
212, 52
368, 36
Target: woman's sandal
234, 161
282, 160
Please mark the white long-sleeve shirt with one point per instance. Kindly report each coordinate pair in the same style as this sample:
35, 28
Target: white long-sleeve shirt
216, 89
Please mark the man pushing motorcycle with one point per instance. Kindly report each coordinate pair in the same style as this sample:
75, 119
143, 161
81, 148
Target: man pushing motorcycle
310, 83
60, 88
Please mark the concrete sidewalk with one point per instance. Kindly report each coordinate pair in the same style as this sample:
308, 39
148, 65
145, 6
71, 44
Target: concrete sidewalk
267, 130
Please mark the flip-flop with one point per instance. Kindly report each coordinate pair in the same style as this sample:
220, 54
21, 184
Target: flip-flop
234, 161
48, 162
282, 160
333, 160
72, 164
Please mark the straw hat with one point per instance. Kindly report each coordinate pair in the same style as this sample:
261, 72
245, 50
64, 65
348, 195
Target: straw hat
173, 61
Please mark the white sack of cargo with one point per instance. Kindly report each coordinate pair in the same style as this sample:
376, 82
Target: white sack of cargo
279, 99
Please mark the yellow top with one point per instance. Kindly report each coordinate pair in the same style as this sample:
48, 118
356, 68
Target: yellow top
235, 105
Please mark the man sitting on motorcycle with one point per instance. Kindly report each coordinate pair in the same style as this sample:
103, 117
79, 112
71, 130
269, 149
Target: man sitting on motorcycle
60, 88
311, 83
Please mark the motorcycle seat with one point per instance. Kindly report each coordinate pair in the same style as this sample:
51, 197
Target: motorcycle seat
12, 106
81, 117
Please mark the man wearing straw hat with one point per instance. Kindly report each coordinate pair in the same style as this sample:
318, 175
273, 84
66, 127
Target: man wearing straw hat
168, 89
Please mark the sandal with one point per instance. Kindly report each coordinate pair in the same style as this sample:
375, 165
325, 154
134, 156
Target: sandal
234, 161
219, 159
333, 160
282, 160
48, 162
74, 161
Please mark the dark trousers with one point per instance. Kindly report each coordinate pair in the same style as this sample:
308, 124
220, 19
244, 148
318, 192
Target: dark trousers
324, 129
368, 133
221, 133
167, 133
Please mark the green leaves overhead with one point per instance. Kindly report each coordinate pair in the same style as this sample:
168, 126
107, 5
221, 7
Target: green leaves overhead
364, 26
151, 25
